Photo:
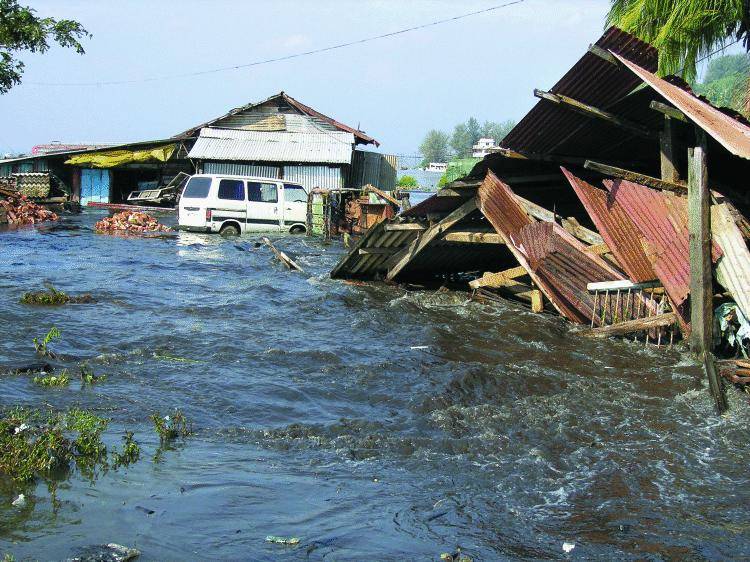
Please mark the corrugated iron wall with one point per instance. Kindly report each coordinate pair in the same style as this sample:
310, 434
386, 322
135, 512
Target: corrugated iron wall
329, 177
373, 168
242, 169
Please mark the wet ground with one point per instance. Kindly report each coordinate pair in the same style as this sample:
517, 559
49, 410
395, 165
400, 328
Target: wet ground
371, 422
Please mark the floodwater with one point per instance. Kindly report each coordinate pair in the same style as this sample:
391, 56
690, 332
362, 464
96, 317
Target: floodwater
372, 422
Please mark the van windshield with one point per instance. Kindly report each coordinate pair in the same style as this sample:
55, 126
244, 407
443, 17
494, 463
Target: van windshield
197, 188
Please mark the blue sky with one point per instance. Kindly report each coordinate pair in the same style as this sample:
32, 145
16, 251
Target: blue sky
396, 89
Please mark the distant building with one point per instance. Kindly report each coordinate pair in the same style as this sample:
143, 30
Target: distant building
279, 137
482, 148
437, 167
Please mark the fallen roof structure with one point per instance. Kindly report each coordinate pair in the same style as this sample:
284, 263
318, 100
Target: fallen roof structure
611, 147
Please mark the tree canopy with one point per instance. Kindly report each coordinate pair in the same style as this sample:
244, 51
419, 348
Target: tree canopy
434, 147
725, 83
682, 30
22, 30
464, 136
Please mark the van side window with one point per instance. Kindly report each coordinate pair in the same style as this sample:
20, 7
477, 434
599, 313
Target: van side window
262, 192
294, 193
197, 188
233, 190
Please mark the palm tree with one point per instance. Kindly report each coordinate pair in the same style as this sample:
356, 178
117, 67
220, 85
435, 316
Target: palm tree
683, 30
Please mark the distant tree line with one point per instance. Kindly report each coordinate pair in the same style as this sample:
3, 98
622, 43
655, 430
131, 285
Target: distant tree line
439, 146
726, 82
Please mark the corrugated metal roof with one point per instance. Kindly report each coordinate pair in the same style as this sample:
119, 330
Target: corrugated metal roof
662, 218
730, 133
262, 146
236, 117
733, 268
592, 81
555, 260
618, 230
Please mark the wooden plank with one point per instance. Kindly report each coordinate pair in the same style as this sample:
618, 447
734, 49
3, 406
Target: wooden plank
537, 301
281, 256
604, 55
582, 233
701, 282
591, 111
635, 177
630, 326
598, 249
668, 111
391, 227
666, 151
401, 259
449, 193
380, 193
498, 279
514, 154
377, 251
473, 237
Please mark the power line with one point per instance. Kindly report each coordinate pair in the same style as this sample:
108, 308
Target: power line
285, 57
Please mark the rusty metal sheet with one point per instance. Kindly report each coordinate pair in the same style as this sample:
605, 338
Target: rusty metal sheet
662, 218
730, 133
556, 261
622, 236
733, 268
435, 204
565, 267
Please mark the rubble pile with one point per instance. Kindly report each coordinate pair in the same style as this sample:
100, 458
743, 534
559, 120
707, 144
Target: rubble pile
130, 221
19, 210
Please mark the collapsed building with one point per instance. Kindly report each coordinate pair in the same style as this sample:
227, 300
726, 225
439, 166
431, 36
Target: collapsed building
612, 202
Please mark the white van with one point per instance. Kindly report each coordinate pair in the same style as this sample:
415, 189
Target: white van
232, 205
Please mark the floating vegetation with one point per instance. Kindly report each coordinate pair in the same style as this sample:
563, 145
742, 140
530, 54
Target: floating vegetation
35, 444
282, 540
53, 297
88, 377
131, 452
42, 346
167, 357
63, 379
171, 427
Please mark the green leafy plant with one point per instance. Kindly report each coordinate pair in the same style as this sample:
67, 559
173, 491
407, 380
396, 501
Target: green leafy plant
63, 379
407, 181
42, 346
53, 297
88, 377
171, 427
131, 452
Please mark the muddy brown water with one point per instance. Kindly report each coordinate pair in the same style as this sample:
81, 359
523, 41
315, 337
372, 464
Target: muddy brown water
320, 415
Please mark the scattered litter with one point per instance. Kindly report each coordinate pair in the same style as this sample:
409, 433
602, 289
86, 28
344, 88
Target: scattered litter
282, 540
130, 221
19, 429
568, 546
282, 257
420, 347
20, 501
20, 210
455, 557
106, 553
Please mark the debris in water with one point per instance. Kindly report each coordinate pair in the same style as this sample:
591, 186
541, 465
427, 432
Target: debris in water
418, 347
130, 221
568, 546
20, 501
282, 540
53, 297
171, 427
282, 257
106, 553
20, 210
455, 557
41, 346
63, 379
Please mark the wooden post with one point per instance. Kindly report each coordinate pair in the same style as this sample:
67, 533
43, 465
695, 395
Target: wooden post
666, 142
701, 283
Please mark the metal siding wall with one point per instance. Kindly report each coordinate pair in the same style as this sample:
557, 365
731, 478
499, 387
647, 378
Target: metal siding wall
373, 168
315, 176
240, 169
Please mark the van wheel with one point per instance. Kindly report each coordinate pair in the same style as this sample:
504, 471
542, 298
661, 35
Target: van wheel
297, 229
229, 230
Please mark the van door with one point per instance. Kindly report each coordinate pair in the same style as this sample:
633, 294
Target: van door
295, 205
231, 203
263, 207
